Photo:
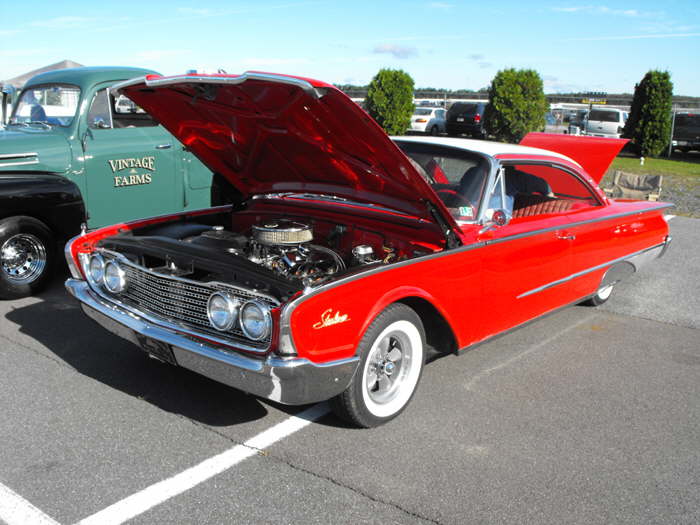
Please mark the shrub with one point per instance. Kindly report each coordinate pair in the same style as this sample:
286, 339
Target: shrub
649, 123
389, 100
517, 104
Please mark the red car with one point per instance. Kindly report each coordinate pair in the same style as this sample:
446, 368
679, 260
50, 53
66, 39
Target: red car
341, 254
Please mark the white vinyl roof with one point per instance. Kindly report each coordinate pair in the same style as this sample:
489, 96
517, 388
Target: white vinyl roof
484, 146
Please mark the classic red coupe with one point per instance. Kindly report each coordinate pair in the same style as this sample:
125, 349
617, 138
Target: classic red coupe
338, 255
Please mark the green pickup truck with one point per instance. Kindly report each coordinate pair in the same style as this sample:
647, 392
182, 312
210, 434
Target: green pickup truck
72, 153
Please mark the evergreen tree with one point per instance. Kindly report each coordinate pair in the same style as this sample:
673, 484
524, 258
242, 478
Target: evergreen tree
389, 100
517, 104
649, 123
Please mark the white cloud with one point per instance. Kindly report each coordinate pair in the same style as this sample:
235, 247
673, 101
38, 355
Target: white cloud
159, 54
63, 22
8, 32
604, 10
395, 50
195, 11
271, 61
632, 37
440, 5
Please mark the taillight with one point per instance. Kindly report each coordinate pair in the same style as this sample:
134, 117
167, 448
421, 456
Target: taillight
477, 118
421, 120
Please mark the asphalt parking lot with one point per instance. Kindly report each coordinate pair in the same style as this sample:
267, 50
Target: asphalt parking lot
586, 416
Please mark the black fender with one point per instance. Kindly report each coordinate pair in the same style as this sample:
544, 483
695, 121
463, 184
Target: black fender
52, 199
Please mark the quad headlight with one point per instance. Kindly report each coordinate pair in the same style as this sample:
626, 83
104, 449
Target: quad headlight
222, 310
256, 321
96, 268
114, 277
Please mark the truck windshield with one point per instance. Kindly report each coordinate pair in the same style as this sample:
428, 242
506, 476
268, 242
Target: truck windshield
53, 104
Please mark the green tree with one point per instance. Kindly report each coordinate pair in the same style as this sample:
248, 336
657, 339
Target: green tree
517, 104
649, 123
389, 100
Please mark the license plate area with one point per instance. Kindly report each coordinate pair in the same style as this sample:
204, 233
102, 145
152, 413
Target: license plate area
460, 119
158, 349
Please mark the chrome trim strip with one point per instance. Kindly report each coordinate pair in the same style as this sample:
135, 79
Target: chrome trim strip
26, 163
589, 270
194, 79
288, 381
19, 155
286, 341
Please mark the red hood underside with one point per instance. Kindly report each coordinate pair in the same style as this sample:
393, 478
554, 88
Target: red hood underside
593, 154
272, 133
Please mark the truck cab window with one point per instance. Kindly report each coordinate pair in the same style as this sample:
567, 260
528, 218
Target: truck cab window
99, 116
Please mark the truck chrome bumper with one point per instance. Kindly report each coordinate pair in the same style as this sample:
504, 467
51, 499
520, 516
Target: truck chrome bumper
293, 381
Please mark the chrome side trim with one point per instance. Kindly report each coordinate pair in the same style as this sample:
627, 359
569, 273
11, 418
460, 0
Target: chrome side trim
194, 79
288, 381
19, 155
286, 341
21, 159
629, 258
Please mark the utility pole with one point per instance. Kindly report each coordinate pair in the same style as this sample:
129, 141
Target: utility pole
673, 127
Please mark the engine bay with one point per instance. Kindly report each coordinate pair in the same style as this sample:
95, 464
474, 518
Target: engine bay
277, 254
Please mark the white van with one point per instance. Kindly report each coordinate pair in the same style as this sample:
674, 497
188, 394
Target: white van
605, 122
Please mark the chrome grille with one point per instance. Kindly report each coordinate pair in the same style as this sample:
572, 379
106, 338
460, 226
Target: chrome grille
183, 302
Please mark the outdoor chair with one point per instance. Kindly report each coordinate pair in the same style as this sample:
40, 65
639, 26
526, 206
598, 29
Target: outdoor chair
633, 186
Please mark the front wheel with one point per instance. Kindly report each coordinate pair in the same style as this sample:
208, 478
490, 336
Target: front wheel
392, 353
26, 256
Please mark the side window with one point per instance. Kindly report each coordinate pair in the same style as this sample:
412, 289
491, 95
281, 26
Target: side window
544, 189
498, 198
99, 116
126, 114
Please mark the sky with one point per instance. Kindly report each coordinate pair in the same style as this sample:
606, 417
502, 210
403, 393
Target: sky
452, 44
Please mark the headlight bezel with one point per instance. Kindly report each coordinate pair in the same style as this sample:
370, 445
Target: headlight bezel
266, 316
121, 274
233, 305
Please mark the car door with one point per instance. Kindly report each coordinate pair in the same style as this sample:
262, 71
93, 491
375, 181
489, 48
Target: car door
521, 264
130, 166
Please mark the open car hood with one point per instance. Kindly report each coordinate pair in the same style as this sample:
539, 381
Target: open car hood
273, 133
593, 154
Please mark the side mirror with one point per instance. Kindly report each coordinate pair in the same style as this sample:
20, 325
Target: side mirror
100, 123
501, 217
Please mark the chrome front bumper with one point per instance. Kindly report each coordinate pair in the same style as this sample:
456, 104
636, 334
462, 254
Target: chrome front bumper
291, 381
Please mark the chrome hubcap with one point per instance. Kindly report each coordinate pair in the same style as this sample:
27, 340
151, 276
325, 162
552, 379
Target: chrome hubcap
389, 365
23, 258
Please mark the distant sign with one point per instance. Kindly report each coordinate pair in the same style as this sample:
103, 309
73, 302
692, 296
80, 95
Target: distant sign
594, 101
595, 97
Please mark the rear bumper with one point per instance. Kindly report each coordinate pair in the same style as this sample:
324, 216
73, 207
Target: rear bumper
456, 128
293, 381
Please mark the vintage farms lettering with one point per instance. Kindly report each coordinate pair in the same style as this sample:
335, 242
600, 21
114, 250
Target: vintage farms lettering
133, 179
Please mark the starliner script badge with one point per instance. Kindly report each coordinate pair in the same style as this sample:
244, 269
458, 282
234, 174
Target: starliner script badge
329, 319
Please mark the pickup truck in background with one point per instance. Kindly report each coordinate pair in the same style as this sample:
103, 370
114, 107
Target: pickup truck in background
72, 153
686, 131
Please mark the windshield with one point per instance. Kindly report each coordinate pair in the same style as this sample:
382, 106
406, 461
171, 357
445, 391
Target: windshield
51, 104
422, 111
604, 116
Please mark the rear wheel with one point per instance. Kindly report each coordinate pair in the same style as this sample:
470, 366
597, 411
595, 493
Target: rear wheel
392, 353
26, 256
434, 131
602, 295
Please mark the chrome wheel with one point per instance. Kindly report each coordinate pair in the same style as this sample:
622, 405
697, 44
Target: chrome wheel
23, 258
605, 292
392, 369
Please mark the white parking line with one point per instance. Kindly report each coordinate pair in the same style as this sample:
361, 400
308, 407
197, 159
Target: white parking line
15, 510
668, 216
157, 493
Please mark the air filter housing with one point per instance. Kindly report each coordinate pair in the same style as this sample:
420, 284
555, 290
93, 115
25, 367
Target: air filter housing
282, 231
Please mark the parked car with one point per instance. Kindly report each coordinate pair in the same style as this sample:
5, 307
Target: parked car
607, 122
347, 254
466, 118
426, 120
72, 154
686, 131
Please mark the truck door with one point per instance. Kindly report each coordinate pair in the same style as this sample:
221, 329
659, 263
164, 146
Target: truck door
130, 164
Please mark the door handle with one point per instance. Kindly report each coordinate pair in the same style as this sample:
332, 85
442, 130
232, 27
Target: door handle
164, 146
566, 236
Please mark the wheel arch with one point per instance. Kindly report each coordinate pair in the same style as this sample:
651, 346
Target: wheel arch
438, 329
